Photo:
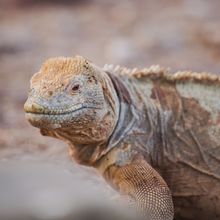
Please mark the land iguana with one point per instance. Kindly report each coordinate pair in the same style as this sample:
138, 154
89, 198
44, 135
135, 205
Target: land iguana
153, 135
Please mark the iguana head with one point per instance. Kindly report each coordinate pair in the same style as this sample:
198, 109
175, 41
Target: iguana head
74, 100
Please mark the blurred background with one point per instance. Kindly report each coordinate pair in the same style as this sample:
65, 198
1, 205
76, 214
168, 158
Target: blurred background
37, 178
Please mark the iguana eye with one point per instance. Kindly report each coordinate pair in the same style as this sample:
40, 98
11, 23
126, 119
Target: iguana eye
75, 88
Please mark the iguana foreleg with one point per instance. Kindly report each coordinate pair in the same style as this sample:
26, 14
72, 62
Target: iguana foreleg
143, 185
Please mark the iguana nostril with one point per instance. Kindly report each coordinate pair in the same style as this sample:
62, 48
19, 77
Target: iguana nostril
33, 108
37, 108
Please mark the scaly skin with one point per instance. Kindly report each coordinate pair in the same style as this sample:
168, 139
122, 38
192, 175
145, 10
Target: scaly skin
143, 130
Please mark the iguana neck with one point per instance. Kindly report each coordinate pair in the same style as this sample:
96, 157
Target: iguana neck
127, 116
140, 122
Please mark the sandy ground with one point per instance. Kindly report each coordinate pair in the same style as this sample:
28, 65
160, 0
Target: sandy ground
36, 176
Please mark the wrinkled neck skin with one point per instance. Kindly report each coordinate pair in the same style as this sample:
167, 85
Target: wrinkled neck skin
137, 130
139, 127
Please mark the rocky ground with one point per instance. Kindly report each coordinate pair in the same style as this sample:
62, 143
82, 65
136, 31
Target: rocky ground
36, 176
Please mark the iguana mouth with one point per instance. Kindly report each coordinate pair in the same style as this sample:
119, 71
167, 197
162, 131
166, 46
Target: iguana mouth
55, 119
57, 113
34, 108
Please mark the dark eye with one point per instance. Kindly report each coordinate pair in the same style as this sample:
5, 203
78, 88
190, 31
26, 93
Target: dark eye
75, 87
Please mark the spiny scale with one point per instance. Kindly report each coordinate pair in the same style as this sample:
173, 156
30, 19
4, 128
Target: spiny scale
157, 72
